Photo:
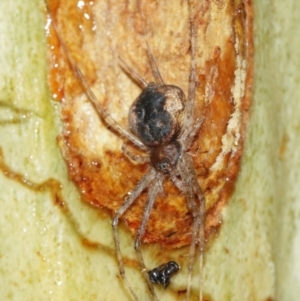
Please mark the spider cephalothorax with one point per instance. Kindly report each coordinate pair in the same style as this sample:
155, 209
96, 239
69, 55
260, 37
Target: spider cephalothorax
165, 157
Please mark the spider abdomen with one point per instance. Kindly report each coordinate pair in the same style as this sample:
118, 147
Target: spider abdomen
156, 115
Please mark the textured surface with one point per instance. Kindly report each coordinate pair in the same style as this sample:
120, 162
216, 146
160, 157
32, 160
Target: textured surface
42, 257
93, 152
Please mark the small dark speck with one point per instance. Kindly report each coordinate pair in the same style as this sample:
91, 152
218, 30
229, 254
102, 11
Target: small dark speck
181, 292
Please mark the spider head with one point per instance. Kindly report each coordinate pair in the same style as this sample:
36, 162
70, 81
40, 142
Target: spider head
165, 157
156, 115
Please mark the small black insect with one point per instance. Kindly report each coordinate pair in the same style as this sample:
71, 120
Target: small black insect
163, 273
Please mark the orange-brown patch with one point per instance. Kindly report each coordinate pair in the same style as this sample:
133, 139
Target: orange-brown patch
95, 35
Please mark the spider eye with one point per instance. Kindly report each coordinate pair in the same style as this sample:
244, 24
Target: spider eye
164, 166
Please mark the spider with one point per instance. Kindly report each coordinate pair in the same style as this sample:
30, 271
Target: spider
162, 124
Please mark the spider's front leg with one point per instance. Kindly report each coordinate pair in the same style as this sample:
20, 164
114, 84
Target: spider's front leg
154, 190
130, 198
196, 205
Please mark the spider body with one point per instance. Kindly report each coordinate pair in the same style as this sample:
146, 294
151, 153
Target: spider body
163, 124
156, 119
156, 115
218, 97
164, 157
163, 273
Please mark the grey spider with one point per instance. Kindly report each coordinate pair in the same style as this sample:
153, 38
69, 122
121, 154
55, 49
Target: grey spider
162, 124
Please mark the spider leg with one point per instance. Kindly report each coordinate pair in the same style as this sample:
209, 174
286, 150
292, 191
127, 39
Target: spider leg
190, 137
134, 157
178, 183
130, 198
201, 230
189, 110
92, 97
193, 209
154, 190
104, 114
155, 71
135, 76
192, 189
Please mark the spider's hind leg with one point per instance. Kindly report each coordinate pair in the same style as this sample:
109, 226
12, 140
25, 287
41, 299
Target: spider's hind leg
189, 120
154, 68
133, 74
134, 157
